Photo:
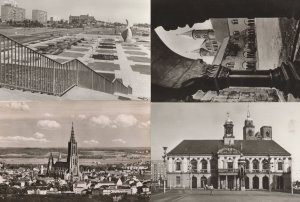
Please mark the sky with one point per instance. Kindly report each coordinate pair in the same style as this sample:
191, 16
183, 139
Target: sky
172, 123
136, 11
96, 124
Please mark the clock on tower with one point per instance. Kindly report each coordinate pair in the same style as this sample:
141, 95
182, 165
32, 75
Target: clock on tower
249, 128
228, 131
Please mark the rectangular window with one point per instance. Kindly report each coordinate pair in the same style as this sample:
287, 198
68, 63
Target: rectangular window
230, 165
178, 166
177, 180
280, 166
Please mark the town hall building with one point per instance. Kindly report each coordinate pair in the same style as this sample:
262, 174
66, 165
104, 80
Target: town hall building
68, 170
255, 163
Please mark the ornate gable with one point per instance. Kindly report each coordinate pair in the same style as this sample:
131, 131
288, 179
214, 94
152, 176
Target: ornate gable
228, 150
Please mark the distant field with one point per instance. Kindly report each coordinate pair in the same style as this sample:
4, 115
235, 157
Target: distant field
87, 156
40, 161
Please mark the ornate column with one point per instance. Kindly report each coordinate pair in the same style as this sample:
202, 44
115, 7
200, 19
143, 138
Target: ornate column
198, 165
260, 182
251, 165
170, 165
260, 165
250, 182
208, 165
242, 172
219, 181
272, 161
184, 165
271, 181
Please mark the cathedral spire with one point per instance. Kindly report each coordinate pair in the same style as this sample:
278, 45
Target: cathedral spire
72, 133
59, 157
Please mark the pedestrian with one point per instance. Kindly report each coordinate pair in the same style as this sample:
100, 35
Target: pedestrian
210, 188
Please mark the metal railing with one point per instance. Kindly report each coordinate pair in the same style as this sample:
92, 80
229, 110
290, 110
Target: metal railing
25, 69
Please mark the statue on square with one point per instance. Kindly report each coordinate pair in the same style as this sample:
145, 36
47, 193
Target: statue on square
127, 34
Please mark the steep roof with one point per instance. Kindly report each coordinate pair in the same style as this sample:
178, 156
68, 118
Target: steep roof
247, 147
60, 164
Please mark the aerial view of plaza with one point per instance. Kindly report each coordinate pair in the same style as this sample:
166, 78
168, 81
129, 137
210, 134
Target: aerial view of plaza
227, 60
74, 56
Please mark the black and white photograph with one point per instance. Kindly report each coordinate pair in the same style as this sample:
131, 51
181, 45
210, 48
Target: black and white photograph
218, 54
149, 100
74, 50
225, 152
74, 151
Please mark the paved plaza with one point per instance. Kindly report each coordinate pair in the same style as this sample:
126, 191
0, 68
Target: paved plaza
129, 62
230, 196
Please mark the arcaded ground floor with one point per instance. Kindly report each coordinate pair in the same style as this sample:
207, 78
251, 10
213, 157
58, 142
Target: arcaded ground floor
180, 195
279, 181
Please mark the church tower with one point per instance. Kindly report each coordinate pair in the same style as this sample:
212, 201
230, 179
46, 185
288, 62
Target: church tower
73, 162
50, 165
228, 132
249, 128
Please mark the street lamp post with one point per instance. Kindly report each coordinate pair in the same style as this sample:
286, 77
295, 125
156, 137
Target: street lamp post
292, 188
190, 171
165, 172
270, 166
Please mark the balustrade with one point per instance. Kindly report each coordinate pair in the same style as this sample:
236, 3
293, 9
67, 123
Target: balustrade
25, 69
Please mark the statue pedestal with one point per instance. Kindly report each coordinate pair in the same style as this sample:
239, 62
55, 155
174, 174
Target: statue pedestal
243, 188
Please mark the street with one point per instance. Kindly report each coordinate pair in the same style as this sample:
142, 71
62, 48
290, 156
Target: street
201, 195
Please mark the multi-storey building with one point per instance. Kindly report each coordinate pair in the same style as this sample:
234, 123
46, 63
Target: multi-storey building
239, 49
69, 169
82, 19
158, 171
254, 163
40, 16
10, 12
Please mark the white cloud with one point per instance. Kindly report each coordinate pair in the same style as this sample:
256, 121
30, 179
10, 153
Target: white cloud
91, 142
48, 124
82, 116
103, 121
47, 115
119, 141
16, 139
124, 120
144, 124
39, 135
18, 106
